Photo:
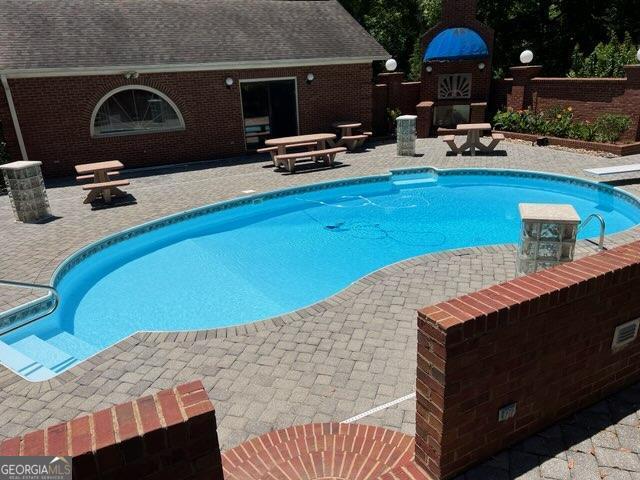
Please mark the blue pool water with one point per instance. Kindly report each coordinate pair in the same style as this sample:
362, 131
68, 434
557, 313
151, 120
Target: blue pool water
275, 256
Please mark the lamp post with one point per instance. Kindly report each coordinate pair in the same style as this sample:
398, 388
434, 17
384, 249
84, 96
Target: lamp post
526, 57
391, 65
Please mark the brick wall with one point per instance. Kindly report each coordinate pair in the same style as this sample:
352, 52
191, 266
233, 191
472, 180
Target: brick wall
542, 341
55, 114
391, 91
170, 435
589, 97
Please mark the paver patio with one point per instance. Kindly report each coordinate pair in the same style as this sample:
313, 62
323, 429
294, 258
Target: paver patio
330, 362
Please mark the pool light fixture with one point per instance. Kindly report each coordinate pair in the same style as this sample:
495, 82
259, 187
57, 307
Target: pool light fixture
391, 65
526, 57
228, 82
310, 78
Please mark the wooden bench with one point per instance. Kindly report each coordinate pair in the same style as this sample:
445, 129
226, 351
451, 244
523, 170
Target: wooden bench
274, 150
328, 155
91, 176
106, 189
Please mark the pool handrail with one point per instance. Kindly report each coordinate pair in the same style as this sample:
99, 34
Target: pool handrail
603, 226
52, 291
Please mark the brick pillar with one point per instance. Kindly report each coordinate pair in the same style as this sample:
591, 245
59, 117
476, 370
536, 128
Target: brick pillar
168, 435
459, 10
633, 76
521, 96
424, 110
393, 81
478, 112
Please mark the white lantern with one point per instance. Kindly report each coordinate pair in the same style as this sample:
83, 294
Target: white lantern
526, 57
391, 65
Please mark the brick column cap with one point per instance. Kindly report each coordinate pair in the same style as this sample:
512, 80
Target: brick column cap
523, 74
390, 77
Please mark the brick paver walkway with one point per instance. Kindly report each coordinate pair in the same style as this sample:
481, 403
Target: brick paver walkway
326, 363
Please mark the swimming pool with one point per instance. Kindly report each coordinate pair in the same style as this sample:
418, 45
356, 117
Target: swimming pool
258, 257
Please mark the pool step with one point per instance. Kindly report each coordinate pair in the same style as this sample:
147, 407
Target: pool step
415, 181
23, 365
44, 353
71, 344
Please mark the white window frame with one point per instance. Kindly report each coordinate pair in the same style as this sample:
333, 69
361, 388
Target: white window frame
135, 132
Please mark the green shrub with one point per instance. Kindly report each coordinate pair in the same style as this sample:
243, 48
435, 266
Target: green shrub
606, 60
559, 122
610, 127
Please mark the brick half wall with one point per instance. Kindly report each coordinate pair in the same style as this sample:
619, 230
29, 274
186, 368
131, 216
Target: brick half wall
543, 342
169, 435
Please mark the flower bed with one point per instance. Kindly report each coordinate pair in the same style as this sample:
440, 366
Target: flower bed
559, 123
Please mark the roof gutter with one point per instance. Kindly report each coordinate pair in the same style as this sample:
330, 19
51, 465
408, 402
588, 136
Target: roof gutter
185, 67
14, 117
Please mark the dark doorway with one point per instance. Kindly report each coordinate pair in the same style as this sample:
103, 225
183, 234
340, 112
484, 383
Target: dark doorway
269, 109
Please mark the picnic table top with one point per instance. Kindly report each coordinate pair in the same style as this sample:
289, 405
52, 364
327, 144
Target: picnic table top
474, 126
96, 167
346, 124
314, 137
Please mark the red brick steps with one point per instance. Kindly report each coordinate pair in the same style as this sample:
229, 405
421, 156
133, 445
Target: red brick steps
329, 451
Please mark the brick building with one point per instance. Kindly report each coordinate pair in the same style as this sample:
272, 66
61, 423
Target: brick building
153, 82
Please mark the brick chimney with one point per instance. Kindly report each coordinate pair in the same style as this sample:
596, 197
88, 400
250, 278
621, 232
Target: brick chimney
459, 10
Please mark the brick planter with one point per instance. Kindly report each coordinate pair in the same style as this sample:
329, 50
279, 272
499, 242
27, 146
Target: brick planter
619, 149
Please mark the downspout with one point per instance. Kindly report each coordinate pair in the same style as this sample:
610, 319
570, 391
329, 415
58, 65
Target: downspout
14, 117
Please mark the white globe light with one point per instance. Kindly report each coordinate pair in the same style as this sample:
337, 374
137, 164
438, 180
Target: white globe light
638, 55
391, 65
526, 57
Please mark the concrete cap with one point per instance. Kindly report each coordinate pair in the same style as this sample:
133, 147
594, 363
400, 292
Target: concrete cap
549, 212
19, 165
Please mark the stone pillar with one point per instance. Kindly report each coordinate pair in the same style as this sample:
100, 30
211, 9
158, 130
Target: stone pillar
27, 193
425, 119
406, 131
521, 96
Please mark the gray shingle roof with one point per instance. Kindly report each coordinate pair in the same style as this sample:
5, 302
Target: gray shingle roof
43, 34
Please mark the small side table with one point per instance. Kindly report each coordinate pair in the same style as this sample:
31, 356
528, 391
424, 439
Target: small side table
548, 236
27, 193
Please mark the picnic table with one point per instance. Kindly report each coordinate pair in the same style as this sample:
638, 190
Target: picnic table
474, 131
347, 136
102, 185
281, 157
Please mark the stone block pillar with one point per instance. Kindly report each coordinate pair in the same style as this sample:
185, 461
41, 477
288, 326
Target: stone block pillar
27, 193
521, 96
406, 131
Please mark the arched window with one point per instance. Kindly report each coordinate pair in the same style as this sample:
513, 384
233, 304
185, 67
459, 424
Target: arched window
135, 109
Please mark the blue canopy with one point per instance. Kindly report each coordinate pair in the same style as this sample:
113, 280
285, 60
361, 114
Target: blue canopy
456, 44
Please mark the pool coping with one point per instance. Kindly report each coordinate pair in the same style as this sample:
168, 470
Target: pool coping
348, 292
